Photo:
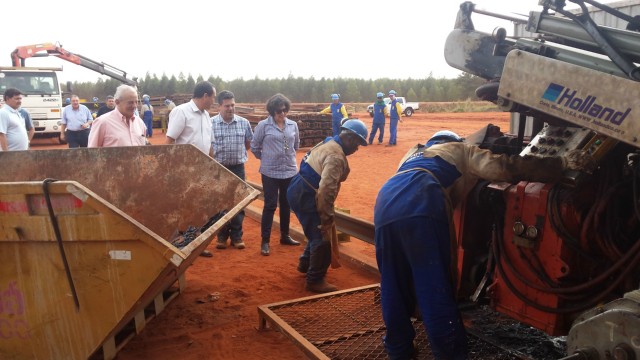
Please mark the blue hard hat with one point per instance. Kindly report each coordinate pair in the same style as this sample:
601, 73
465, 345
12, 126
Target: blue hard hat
335, 96
146, 97
443, 136
167, 101
95, 99
67, 101
392, 92
379, 95
357, 127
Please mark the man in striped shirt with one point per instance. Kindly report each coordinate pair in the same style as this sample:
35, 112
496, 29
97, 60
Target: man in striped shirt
231, 138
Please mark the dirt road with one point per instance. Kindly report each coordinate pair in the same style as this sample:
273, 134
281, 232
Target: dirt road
194, 328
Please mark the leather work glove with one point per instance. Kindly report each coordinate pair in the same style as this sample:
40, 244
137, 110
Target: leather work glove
579, 160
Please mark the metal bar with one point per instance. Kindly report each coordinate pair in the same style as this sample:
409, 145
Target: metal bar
56, 230
308, 348
351, 225
517, 20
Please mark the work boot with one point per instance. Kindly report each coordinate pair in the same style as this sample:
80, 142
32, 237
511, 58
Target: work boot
321, 287
303, 265
221, 244
287, 240
264, 248
238, 244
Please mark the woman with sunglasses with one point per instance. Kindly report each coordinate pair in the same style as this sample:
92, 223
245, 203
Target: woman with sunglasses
275, 141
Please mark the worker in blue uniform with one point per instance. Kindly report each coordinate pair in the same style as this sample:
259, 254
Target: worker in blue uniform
338, 113
147, 114
380, 112
312, 193
414, 234
395, 113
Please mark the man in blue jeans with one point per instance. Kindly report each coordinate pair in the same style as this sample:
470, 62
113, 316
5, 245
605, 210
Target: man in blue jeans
231, 139
312, 193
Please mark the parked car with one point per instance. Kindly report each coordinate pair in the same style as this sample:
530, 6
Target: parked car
408, 108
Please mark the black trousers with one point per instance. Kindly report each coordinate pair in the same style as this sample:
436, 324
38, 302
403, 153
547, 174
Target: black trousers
275, 191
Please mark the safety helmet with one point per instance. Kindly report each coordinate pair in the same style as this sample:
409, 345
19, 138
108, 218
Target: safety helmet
357, 127
335, 96
146, 97
443, 136
379, 95
392, 92
67, 101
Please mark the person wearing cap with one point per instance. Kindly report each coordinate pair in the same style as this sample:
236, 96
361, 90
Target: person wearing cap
338, 113
395, 113
147, 114
414, 233
380, 112
312, 193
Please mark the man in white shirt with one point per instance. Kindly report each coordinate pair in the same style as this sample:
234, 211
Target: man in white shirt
190, 122
13, 133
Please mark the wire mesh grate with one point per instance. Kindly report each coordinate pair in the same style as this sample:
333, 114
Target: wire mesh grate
348, 326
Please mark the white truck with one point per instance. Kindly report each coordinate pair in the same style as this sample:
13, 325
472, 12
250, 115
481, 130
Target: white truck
42, 92
408, 108
42, 96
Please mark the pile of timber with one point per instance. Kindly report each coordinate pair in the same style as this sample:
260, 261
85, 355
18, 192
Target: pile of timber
313, 127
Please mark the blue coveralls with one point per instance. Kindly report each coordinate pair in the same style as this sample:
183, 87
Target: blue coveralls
302, 199
336, 118
413, 252
393, 122
378, 121
147, 117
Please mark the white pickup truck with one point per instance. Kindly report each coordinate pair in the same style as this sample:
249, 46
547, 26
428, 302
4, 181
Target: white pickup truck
408, 108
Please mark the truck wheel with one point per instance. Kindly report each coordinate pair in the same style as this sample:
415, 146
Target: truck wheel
408, 112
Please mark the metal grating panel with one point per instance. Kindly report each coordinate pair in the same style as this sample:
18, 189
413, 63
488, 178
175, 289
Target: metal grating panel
347, 325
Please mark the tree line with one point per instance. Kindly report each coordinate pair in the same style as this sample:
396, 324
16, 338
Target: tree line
298, 89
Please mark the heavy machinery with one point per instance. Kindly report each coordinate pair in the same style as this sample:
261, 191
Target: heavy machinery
565, 257
41, 88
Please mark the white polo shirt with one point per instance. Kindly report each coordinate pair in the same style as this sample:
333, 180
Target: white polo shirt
12, 126
188, 125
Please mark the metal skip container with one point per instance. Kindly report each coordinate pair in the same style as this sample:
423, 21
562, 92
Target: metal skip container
83, 256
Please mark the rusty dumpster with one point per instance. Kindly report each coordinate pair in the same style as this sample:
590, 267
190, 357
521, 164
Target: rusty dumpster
84, 248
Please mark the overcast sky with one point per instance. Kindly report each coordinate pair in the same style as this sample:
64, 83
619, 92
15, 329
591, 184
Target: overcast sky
247, 38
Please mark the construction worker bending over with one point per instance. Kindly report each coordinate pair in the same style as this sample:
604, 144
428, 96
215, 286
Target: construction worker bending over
312, 193
414, 233
338, 113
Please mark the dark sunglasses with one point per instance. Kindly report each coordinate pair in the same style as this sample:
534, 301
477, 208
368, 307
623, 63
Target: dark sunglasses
282, 111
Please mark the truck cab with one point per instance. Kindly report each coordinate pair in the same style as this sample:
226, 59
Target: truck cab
408, 108
42, 96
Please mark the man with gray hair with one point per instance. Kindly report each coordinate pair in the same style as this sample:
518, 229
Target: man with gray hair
120, 127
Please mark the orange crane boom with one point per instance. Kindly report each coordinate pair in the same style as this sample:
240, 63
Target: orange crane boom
21, 53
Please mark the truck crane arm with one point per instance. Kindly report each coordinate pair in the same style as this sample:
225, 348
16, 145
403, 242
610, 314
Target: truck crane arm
21, 53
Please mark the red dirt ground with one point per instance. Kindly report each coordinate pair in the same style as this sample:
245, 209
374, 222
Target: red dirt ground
227, 328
